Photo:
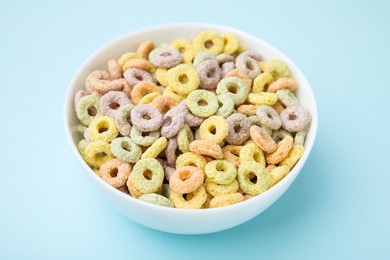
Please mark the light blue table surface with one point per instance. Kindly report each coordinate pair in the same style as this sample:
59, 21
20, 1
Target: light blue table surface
338, 208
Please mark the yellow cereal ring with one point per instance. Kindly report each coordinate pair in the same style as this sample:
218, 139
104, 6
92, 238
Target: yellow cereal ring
148, 98
277, 68
193, 200
226, 199
282, 150
184, 138
278, 173
253, 178
262, 81
186, 49
232, 153
156, 148
231, 43
183, 79
125, 57
96, 153
169, 92
102, 128
214, 129
216, 189
250, 152
161, 76
208, 40
263, 98
241, 48
190, 159
221, 171
293, 156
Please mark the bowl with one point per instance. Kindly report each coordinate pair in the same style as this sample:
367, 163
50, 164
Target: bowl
173, 220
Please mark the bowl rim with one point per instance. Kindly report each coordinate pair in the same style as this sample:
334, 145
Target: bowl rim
292, 174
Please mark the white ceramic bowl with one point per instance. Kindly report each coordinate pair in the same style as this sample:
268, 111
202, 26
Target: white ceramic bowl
174, 220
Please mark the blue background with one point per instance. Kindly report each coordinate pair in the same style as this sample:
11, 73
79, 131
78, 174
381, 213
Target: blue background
337, 208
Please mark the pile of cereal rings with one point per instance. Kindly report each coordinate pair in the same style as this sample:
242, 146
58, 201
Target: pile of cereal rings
193, 124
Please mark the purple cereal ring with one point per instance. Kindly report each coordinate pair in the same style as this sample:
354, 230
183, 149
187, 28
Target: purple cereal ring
254, 55
171, 150
226, 67
135, 75
112, 101
239, 126
190, 119
295, 118
166, 58
209, 74
146, 118
173, 122
79, 94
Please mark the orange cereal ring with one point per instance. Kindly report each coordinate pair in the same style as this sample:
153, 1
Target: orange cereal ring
232, 153
114, 69
239, 74
142, 89
278, 106
144, 49
206, 148
282, 150
137, 63
262, 139
186, 179
270, 167
283, 83
132, 189
164, 103
247, 110
115, 172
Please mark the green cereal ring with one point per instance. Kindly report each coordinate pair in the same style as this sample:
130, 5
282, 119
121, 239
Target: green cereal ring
183, 79
226, 105
299, 138
147, 175
82, 145
202, 103
157, 199
278, 135
122, 119
184, 138
287, 98
250, 152
221, 171
202, 56
253, 178
197, 134
277, 68
87, 109
96, 153
102, 128
193, 200
125, 149
261, 82
226, 199
156, 148
80, 128
208, 40
235, 87
144, 138
190, 159
216, 189
166, 190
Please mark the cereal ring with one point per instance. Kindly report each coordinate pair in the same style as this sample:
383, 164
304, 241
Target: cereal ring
209, 74
166, 58
278, 106
100, 82
172, 123
282, 150
208, 40
226, 199
253, 178
241, 75
169, 92
235, 87
287, 98
223, 58
221, 171
144, 49
295, 118
168, 170
206, 205
192, 120
263, 98
184, 138
132, 189
82, 145
216, 189
254, 120
166, 190
261, 82
146, 118
269, 117
125, 57
214, 129
280, 134
278, 173
183, 79
102, 128
262, 139
161, 76
96, 153
299, 138
231, 43
79, 94
164, 103
238, 129
144, 138
190, 159
232, 153
226, 105
114, 69
250, 152
88, 109
186, 49
206, 148
147, 175
202, 103
122, 119
193, 200
293, 156
112, 101
254, 55
283, 83
126, 149
157, 199
270, 167
202, 56
247, 110
137, 63
277, 68
186, 179
115, 172
141, 89
156, 148
248, 65
170, 151
134, 76
227, 67
148, 98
